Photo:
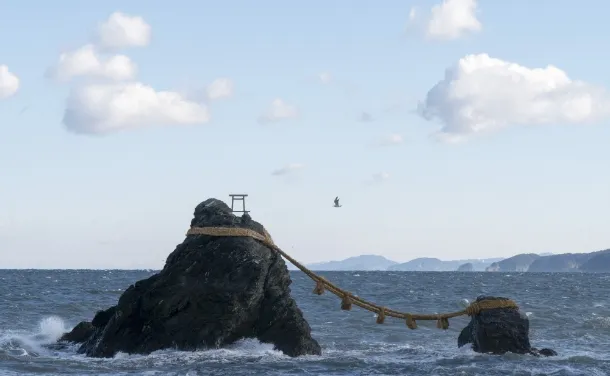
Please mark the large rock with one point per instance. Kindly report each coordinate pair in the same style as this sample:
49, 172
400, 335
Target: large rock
212, 292
498, 331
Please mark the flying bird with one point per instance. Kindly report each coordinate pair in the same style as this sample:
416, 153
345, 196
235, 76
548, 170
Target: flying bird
337, 202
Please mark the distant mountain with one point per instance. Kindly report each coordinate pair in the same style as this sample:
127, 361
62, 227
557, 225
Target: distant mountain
572, 262
546, 262
599, 262
437, 265
518, 263
363, 262
467, 267
422, 263
567, 262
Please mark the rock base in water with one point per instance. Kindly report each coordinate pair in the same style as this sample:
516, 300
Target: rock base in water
498, 331
212, 292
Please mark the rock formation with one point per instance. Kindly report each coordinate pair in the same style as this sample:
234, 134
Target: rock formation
498, 331
467, 267
211, 292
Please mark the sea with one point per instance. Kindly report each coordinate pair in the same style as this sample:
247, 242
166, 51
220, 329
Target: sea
568, 312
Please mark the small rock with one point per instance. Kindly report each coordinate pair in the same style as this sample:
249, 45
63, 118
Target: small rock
544, 352
498, 331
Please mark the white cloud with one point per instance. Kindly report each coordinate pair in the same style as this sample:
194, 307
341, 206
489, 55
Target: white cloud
393, 139
287, 169
412, 14
450, 19
9, 82
279, 110
86, 61
480, 93
220, 88
325, 78
121, 30
453, 18
365, 117
106, 108
380, 177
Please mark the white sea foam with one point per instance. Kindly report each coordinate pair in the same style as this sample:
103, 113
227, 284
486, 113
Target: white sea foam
24, 343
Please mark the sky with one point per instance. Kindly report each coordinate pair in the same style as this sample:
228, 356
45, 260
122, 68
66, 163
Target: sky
452, 129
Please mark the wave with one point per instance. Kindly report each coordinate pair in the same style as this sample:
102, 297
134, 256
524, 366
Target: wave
35, 343
22, 343
387, 355
598, 322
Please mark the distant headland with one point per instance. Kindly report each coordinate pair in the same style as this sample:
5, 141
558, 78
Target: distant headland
592, 262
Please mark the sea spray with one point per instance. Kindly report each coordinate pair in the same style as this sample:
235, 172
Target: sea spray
31, 343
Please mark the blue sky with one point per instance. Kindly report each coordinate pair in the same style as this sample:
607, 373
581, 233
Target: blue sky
510, 159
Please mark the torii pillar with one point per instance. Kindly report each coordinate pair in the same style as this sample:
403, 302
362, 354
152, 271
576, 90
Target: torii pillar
239, 197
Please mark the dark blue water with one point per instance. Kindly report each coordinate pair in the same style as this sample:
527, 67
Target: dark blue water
568, 312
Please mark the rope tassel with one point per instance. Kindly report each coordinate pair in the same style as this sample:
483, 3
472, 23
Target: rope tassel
411, 322
346, 303
319, 290
442, 323
381, 316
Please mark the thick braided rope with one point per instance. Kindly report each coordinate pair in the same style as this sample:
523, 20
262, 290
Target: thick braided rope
348, 298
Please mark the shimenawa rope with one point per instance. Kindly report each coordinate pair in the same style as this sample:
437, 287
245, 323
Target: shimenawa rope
347, 298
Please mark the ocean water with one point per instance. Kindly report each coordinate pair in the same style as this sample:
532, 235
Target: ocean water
568, 312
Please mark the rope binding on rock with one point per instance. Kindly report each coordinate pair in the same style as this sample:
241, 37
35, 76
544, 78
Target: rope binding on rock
348, 299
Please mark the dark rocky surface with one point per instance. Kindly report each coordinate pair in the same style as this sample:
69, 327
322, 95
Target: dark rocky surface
498, 331
80, 333
211, 292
